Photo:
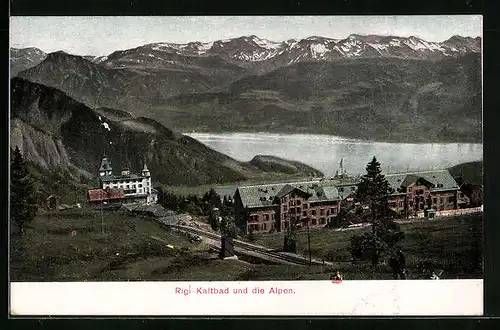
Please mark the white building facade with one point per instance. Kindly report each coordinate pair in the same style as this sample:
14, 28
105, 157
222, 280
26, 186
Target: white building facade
137, 187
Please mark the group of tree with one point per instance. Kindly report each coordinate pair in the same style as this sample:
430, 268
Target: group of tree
219, 211
23, 200
194, 204
228, 227
385, 235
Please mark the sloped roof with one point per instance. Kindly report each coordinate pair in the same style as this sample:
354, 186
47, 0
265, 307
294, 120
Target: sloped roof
288, 188
343, 181
95, 195
155, 210
412, 178
285, 190
264, 195
331, 193
440, 179
105, 165
259, 195
230, 190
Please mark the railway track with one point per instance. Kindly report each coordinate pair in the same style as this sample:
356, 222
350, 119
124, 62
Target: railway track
243, 246
253, 254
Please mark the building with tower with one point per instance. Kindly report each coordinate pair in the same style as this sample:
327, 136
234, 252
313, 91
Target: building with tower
312, 203
316, 203
133, 188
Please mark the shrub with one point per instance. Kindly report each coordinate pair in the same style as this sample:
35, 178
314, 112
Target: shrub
366, 247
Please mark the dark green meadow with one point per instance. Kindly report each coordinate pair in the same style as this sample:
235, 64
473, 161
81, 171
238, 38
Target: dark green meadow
132, 249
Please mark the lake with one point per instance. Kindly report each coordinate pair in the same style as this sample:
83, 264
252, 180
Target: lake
324, 152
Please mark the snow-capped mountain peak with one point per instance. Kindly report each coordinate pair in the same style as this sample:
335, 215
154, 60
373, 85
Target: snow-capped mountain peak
251, 51
191, 48
264, 43
318, 50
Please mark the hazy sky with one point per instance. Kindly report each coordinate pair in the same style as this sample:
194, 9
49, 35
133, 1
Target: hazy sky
102, 35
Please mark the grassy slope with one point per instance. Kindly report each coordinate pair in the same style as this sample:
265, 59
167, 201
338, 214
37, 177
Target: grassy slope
449, 244
48, 252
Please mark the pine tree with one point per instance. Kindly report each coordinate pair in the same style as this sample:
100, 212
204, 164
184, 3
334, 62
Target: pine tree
374, 190
213, 219
23, 205
228, 227
212, 198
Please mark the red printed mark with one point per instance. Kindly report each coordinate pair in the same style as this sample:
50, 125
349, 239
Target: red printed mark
337, 281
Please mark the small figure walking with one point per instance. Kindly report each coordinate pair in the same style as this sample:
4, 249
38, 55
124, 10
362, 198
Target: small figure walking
338, 277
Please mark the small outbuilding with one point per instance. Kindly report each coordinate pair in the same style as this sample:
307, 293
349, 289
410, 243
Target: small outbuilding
108, 196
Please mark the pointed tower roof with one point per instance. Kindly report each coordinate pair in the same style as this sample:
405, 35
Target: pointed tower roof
105, 164
145, 168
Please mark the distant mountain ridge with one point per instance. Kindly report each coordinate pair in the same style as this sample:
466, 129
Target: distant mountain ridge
25, 58
248, 50
263, 54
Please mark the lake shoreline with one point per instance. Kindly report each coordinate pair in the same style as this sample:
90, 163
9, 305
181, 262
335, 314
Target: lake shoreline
349, 138
324, 152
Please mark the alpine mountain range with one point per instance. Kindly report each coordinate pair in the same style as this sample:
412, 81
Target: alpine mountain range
265, 55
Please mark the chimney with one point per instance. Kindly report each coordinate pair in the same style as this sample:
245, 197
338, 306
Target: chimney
125, 172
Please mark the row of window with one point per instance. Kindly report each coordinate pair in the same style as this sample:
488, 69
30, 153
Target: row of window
295, 202
260, 227
127, 186
298, 210
442, 200
419, 191
284, 199
267, 217
313, 222
438, 200
129, 182
132, 190
435, 200
285, 224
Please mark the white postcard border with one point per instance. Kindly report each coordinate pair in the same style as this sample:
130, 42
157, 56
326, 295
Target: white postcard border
306, 298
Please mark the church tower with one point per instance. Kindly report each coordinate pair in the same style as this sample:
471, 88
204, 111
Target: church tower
145, 171
146, 179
